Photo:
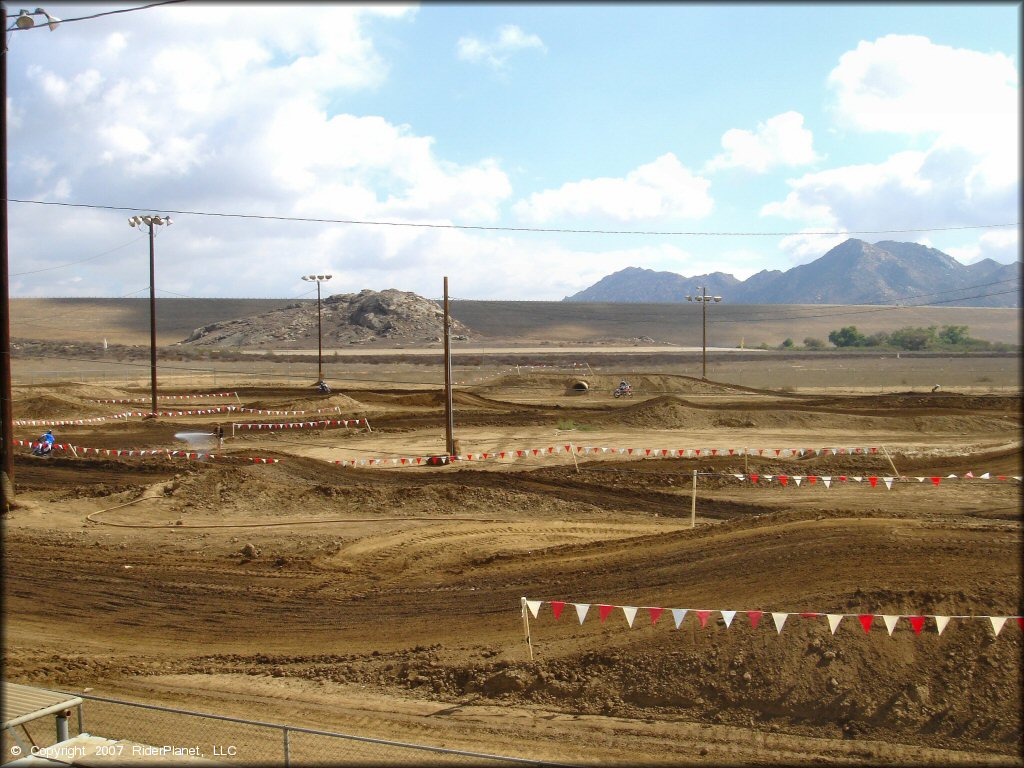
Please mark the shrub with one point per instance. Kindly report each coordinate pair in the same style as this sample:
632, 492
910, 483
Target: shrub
847, 337
812, 343
913, 338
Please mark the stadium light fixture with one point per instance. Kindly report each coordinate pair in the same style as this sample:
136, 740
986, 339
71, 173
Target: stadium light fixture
701, 295
319, 325
23, 21
150, 222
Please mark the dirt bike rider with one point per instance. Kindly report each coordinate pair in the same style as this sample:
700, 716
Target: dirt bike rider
623, 385
45, 444
322, 386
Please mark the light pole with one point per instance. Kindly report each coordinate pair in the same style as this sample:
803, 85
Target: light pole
151, 222
704, 299
23, 22
319, 325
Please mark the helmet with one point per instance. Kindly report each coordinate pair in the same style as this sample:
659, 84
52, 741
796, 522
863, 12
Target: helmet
49, 432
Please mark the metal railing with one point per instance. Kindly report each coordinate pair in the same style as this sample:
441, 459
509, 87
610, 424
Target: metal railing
150, 730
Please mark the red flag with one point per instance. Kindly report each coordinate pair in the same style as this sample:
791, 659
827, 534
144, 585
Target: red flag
519, 454
935, 481
655, 613
604, 610
703, 616
783, 479
865, 621
647, 451
873, 480
812, 479
1020, 621
755, 618
714, 451
753, 478
697, 451
557, 606
917, 622
843, 478
809, 615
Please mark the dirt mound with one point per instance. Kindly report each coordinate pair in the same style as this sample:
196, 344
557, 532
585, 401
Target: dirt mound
669, 412
55, 406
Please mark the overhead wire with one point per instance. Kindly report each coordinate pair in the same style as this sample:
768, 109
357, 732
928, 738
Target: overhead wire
559, 230
94, 15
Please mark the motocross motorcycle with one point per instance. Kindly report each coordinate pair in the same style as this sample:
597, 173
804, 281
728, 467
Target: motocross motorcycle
623, 391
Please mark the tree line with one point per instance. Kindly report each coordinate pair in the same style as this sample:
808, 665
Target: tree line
909, 338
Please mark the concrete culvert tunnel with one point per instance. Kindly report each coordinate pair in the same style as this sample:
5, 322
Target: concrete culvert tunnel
578, 387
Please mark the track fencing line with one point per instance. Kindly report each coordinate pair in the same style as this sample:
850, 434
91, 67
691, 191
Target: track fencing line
240, 741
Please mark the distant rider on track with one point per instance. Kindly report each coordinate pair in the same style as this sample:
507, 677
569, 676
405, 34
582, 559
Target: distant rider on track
44, 446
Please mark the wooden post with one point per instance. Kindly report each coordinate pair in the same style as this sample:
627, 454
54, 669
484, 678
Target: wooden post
526, 625
693, 502
449, 438
572, 450
890, 461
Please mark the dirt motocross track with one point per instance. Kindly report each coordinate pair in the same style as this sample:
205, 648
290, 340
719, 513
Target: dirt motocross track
384, 599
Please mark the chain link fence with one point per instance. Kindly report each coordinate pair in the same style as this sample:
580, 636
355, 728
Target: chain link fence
153, 731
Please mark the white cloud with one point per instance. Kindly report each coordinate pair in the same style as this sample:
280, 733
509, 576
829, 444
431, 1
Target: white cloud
1001, 245
779, 141
962, 103
908, 84
510, 39
662, 190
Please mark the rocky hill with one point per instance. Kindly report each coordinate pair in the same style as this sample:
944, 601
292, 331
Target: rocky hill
854, 272
393, 316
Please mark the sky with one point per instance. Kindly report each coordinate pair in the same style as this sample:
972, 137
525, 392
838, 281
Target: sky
523, 151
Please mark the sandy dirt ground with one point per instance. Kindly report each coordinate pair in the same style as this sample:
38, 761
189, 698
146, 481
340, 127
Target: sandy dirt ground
384, 599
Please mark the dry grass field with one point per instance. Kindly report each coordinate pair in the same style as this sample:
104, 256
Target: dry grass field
347, 586
126, 321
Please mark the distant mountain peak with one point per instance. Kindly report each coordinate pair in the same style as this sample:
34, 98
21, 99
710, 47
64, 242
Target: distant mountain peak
853, 272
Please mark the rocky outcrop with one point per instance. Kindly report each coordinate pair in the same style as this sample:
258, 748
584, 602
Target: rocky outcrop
347, 318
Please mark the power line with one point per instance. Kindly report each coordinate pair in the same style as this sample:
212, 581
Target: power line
73, 263
560, 230
96, 15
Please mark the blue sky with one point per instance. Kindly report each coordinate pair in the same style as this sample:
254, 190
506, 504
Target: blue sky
739, 118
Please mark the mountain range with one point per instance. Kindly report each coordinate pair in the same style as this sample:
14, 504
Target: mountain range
854, 272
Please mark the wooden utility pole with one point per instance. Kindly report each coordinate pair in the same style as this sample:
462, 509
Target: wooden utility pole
449, 436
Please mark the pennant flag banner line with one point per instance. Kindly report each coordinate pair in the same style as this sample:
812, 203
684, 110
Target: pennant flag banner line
916, 621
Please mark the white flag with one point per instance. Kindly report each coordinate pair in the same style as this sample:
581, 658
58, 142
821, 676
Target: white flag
727, 617
779, 619
533, 605
890, 621
630, 612
997, 623
581, 610
941, 622
678, 614
833, 620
